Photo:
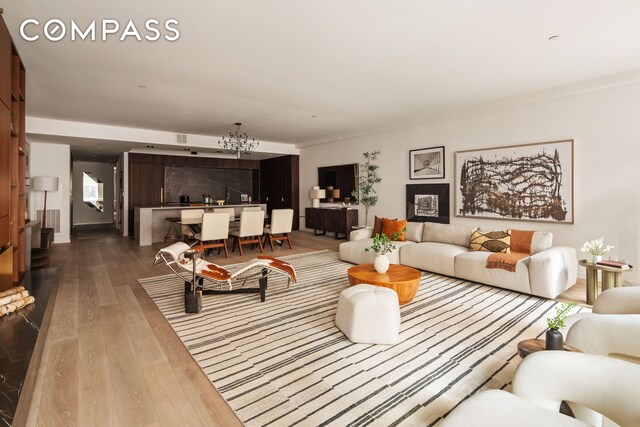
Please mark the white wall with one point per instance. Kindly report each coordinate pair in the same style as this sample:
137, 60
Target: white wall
83, 213
604, 124
52, 160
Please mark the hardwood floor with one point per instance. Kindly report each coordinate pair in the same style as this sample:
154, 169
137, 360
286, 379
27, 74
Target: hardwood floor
110, 358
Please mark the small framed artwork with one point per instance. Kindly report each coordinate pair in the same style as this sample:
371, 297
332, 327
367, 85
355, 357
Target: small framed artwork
428, 203
426, 163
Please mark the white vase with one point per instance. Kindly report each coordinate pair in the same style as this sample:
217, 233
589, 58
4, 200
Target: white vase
381, 263
597, 259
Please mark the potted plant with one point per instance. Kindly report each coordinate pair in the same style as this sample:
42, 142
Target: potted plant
555, 323
596, 248
382, 245
367, 178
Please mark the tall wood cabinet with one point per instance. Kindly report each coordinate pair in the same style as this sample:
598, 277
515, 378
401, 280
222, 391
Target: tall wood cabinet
279, 185
13, 148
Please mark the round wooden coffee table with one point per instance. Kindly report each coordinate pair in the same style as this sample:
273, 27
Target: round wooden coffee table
405, 281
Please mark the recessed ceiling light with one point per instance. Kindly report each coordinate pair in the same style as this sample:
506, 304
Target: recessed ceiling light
554, 37
142, 86
313, 117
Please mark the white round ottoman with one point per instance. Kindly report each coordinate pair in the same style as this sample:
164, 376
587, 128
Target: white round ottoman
369, 314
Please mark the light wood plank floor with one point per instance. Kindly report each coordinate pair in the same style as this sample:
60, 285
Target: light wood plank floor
110, 358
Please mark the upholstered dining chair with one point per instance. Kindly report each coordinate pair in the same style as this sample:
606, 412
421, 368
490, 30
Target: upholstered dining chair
252, 209
250, 231
229, 211
280, 227
215, 231
188, 218
543, 380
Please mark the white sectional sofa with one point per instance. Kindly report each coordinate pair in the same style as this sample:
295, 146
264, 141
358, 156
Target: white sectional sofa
444, 249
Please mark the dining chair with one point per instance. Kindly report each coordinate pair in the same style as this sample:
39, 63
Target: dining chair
251, 209
229, 211
215, 231
188, 218
281, 225
250, 231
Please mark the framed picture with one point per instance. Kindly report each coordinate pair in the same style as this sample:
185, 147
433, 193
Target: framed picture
531, 182
426, 163
428, 203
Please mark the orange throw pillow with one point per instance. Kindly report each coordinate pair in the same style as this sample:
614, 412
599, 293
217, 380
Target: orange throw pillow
393, 226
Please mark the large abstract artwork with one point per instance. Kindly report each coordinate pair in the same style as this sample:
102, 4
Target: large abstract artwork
428, 203
524, 182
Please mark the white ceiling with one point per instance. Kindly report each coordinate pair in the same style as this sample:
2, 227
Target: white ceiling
358, 65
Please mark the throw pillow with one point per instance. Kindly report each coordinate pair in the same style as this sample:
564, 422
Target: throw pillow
491, 241
394, 228
377, 226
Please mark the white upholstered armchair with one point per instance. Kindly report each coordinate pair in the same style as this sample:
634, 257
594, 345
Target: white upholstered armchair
545, 379
612, 328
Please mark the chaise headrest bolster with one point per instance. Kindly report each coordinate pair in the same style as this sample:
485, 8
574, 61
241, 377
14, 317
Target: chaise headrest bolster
175, 250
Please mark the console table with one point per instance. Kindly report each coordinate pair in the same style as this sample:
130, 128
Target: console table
331, 220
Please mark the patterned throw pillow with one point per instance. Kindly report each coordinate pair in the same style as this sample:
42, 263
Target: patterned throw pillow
491, 241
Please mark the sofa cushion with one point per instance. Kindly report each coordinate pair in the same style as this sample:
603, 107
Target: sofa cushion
472, 266
491, 241
432, 256
377, 225
354, 252
394, 228
446, 233
541, 241
414, 231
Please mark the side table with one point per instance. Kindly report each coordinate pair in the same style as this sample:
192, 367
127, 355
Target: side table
192, 296
611, 277
527, 347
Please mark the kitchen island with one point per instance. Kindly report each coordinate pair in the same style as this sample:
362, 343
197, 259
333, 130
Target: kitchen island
150, 225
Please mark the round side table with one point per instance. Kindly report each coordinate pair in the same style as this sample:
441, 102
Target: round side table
611, 278
527, 347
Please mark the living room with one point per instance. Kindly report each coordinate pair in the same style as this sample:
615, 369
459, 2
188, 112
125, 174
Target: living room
320, 214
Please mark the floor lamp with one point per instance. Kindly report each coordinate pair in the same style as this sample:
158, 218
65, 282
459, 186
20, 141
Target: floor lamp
44, 183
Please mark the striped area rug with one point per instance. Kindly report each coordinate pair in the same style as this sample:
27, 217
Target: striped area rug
283, 362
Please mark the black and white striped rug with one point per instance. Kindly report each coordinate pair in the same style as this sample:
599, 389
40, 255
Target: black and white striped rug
283, 362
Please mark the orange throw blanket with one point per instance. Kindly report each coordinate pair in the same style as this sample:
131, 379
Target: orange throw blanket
520, 248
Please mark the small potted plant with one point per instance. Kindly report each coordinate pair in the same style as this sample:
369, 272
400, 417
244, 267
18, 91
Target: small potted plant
555, 323
382, 245
596, 248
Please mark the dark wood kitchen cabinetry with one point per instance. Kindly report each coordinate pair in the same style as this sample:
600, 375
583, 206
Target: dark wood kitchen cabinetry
332, 220
279, 185
146, 181
13, 155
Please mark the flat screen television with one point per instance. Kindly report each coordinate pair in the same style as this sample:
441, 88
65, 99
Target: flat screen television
341, 177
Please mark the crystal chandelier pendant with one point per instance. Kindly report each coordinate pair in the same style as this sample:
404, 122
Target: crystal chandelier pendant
238, 143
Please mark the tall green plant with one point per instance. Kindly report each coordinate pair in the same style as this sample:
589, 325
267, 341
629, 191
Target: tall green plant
367, 178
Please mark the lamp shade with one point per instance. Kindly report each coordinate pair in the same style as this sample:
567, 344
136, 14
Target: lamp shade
316, 193
44, 183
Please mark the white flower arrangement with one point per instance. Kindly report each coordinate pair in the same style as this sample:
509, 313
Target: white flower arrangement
596, 247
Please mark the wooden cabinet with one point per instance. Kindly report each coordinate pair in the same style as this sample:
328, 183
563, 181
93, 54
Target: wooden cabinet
332, 220
146, 181
279, 185
5, 64
13, 192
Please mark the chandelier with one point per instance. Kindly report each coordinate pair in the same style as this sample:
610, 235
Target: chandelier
238, 143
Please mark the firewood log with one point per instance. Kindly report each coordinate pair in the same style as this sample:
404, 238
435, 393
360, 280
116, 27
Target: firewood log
11, 307
13, 297
11, 291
